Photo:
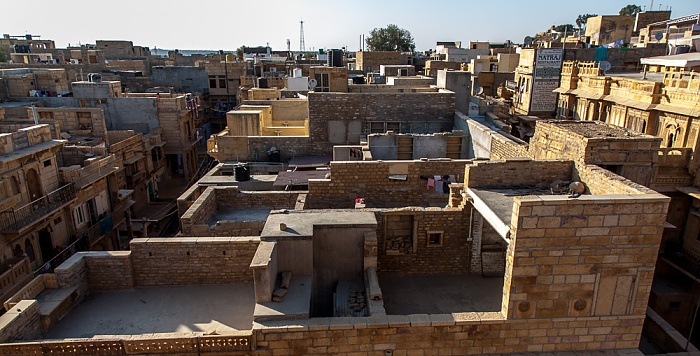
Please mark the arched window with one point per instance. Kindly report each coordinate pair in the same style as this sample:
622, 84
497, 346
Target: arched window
15, 185
17, 251
29, 249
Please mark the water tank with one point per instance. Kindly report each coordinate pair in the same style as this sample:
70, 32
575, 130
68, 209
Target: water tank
297, 73
335, 58
681, 49
273, 156
229, 58
262, 83
241, 172
95, 78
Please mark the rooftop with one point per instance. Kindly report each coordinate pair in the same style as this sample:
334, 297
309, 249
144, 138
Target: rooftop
595, 129
161, 310
300, 223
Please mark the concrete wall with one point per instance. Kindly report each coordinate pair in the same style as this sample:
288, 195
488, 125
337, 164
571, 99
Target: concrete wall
182, 79
138, 114
460, 83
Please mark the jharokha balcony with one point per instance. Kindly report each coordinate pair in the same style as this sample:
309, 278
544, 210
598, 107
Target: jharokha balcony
16, 220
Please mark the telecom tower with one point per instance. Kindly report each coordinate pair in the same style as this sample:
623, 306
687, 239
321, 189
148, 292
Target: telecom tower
302, 47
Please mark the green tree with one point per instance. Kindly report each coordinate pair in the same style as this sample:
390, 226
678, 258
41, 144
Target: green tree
239, 52
3, 55
630, 10
569, 28
391, 38
582, 19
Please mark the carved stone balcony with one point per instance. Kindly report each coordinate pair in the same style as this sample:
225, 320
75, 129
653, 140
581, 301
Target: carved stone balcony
20, 219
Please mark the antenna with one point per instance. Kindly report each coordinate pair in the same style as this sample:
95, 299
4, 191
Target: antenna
289, 49
302, 46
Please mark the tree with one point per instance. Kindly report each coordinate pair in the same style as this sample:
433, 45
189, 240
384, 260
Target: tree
568, 28
3, 55
582, 19
239, 52
391, 38
630, 10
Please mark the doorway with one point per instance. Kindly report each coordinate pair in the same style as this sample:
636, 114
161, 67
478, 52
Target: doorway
33, 184
46, 245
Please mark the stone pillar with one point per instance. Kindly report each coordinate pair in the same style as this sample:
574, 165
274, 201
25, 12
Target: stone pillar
476, 229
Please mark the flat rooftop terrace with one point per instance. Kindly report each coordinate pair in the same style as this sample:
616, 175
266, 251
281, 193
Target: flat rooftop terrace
173, 310
595, 129
440, 294
231, 214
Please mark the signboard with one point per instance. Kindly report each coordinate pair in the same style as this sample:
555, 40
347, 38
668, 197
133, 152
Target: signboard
545, 79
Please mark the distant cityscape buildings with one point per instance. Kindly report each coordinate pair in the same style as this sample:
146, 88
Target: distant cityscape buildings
479, 198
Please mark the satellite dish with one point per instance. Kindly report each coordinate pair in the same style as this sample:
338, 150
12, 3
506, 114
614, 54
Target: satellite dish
312, 83
605, 65
527, 40
659, 35
479, 90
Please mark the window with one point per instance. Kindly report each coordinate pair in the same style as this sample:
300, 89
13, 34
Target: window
212, 81
434, 238
15, 185
322, 83
29, 250
222, 81
80, 215
47, 163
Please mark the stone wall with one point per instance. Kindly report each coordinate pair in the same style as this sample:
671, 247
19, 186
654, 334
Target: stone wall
601, 181
375, 59
635, 156
200, 212
451, 256
592, 256
457, 334
516, 172
231, 197
109, 270
370, 180
503, 148
187, 261
21, 322
340, 118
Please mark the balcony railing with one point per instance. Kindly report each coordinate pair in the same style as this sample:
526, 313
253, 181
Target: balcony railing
135, 178
104, 226
17, 272
16, 219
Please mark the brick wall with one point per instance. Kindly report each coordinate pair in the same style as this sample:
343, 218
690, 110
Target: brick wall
516, 172
21, 322
200, 212
186, 261
370, 180
231, 197
592, 256
452, 256
375, 59
456, 334
109, 270
601, 181
502, 148
417, 109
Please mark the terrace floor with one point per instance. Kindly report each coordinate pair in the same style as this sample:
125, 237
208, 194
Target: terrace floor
198, 309
440, 294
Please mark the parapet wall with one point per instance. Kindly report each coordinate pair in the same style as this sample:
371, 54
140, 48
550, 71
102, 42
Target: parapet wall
516, 172
370, 180
186, 261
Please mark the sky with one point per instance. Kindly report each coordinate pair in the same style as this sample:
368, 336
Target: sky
228, 24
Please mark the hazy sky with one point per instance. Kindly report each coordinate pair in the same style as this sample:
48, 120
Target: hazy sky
228, 24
